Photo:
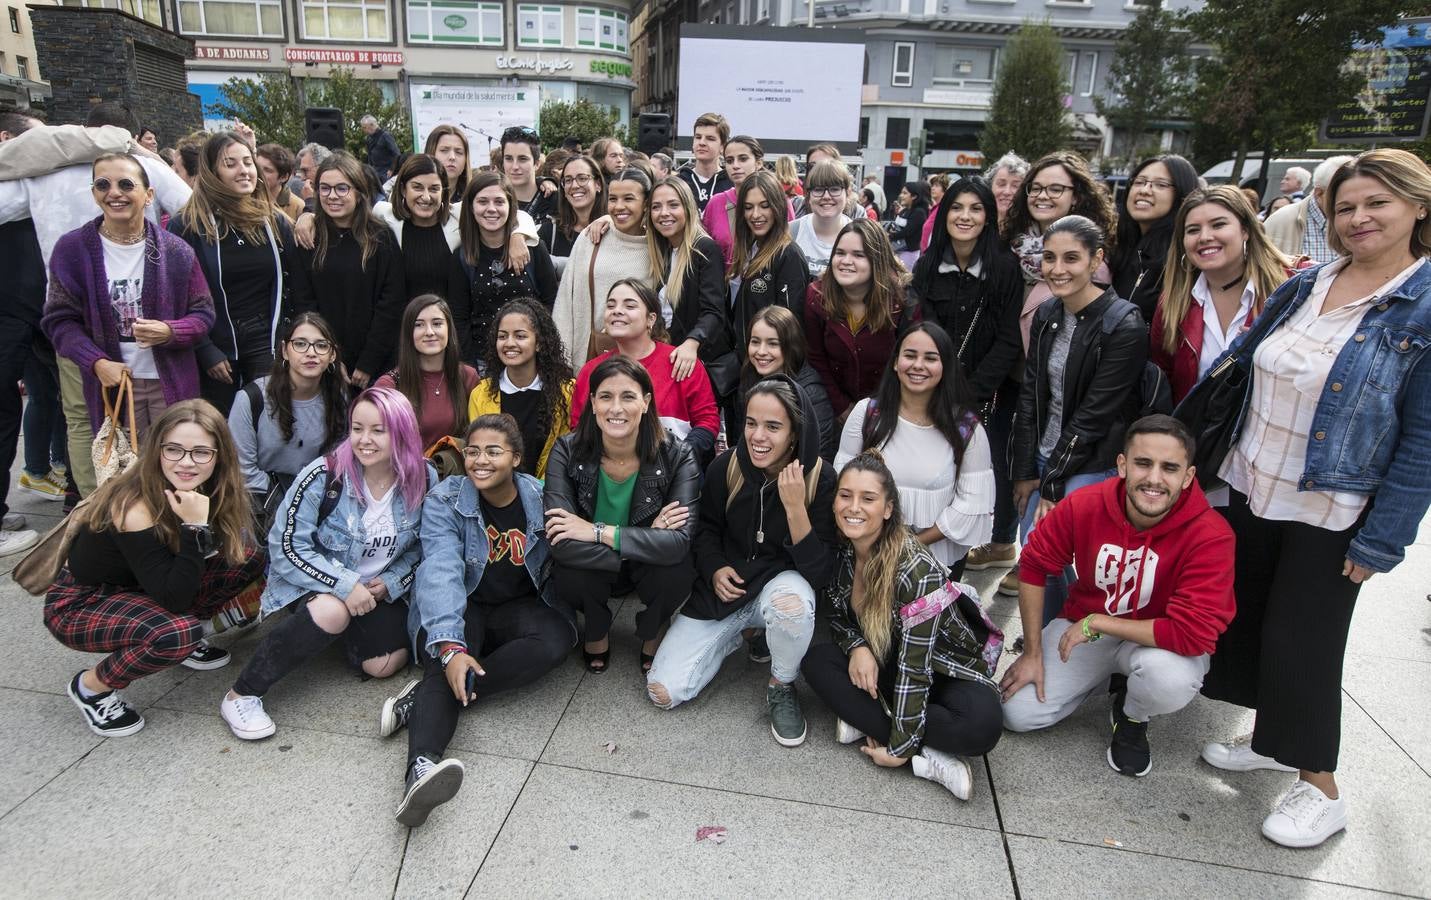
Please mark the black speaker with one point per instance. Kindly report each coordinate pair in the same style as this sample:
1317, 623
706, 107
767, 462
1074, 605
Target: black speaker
654, 133
324, 125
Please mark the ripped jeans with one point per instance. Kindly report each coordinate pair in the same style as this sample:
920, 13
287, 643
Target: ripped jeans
693, 649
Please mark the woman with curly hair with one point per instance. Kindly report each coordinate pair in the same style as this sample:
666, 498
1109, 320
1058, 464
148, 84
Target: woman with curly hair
1058, 185
528, 378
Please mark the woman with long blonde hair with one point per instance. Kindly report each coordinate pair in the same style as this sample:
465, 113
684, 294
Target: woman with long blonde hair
158, 550
242, 243
910, 668
1221, 269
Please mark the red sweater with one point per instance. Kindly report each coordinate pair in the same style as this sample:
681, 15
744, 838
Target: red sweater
681, 406
438, 418
1180, 570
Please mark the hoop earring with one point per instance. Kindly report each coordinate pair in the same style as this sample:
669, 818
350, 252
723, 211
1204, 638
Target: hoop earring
1187, 263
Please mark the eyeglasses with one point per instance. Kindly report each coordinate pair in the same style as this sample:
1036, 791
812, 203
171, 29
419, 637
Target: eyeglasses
825, 192
127, 185
571, 180
201, 456
1054, 191
341, 190
303, 345
493, 452
1158, 185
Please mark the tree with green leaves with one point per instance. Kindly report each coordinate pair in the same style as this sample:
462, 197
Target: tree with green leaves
1148, 81
1027, 113
273, 107
582, 119
1276, 68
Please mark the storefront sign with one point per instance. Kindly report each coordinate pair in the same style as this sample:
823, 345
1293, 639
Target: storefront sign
607, 67
535, 63
345, 57
239, 54
481, 112
1394, 103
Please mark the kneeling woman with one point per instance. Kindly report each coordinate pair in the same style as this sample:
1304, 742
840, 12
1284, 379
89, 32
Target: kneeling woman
764, 545
479, 595
159, 549
908, 670
344, 546
621, 501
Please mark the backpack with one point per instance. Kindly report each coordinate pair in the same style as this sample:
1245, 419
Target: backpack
735, 480
1154, 393
867, 428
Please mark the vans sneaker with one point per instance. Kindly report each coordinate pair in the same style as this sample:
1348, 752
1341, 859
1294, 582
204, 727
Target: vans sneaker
205, 656
397, 710
787, 722
107, 714
429, 785
41, 486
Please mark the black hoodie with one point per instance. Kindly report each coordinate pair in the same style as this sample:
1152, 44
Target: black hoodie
727, 537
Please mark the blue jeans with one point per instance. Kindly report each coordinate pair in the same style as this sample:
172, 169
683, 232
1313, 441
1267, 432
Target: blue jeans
1056, 590
44, 425
691, 654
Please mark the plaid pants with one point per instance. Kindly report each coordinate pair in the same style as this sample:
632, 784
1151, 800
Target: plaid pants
141, 636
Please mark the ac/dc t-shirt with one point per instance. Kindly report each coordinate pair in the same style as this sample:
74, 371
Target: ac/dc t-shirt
505, 578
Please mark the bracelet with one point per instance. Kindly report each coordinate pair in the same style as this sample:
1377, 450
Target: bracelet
596, 530
1088, 633
451, 652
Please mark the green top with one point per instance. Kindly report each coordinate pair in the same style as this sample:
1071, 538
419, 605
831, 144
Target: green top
613, 502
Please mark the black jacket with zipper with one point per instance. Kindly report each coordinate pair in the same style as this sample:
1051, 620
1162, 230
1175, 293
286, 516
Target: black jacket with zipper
782, 284
752, 536
1101, 393
1138, 271
704, 301
954, 299
571, 485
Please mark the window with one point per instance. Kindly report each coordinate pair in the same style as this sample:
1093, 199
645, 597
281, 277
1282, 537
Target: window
762, 10
864, 131
1090, 72
903, 73
604, 29
965, 64
1071, 76
949, 135
22, 66
149, 10
539, 26
237, 18
14, 20
345, 20
896, 134
454, 22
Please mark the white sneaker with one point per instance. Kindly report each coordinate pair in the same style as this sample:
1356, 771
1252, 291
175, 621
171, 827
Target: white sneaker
13, 522
1305, 817
12, 542
946, 769
845, 733
1238, 756
246, 718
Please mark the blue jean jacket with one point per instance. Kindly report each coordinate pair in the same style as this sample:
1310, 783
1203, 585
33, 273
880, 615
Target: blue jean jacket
303, 558
454, 555
1371, 433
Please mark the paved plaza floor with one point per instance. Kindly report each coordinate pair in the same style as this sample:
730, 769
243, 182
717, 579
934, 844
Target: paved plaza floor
183, 809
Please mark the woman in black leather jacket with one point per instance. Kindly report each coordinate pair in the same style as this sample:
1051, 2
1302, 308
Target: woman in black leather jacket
1082, 378
621, 505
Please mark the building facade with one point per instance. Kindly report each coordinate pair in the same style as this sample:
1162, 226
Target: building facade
21, 84
929, 64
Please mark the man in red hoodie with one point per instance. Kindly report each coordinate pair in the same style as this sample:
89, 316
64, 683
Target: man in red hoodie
1154, 591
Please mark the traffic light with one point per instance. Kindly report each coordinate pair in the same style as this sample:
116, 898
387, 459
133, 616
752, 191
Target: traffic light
918, 147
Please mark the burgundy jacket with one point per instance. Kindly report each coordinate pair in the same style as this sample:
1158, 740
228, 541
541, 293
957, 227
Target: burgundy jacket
850, 365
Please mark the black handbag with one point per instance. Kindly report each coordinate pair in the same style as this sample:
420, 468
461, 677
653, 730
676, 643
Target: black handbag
1212, 411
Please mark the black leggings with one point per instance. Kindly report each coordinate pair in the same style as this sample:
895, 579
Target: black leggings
661, 589
1282, 654
962, 717
516, 643
297, 639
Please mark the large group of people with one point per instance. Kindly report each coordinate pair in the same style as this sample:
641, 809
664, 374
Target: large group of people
448, 412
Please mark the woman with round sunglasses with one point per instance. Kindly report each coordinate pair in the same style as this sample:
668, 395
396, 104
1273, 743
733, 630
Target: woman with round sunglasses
126, 298
157, 551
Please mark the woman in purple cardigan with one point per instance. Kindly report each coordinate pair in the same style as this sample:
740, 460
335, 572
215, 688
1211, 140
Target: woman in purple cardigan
127, 296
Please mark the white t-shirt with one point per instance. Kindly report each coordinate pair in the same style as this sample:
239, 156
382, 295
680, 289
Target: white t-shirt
124, 268
381, 531
816, 252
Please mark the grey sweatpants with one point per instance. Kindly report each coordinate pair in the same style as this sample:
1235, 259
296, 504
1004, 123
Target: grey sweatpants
1159, 681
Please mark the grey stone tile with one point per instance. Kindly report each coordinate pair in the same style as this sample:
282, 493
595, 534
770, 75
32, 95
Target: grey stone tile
1393, 692
589, 834
1046, 868
43, 735
722, 740
1393, 617
1057, 784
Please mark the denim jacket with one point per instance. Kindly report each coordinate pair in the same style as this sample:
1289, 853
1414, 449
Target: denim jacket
304, 559
454, 555
1371, 433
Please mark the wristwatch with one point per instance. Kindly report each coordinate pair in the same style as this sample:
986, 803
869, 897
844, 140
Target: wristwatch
448, 654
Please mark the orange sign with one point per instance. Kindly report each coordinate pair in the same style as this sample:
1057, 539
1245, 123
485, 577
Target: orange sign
896, 158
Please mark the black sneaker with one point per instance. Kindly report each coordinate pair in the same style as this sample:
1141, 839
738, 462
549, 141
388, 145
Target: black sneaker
429, 785
107, 715
397, 710
759, 649
206, 656
1128, 752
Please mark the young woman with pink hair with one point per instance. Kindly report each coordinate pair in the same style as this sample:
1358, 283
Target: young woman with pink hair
342, 555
